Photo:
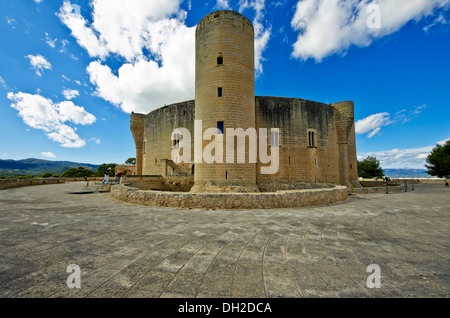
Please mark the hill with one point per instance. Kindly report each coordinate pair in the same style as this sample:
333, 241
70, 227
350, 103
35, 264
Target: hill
35, 167
406, 173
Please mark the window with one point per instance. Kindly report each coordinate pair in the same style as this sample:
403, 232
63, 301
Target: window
219, 92
311, 139
274, 138
143, 147
220, 127
176, 141
220, 60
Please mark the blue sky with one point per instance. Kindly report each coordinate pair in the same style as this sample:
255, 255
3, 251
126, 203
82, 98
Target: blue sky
72, 71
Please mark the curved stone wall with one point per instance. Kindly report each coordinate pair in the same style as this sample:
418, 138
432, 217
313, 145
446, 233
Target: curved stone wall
282, 199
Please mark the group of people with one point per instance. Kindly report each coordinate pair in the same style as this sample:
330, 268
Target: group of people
106, 176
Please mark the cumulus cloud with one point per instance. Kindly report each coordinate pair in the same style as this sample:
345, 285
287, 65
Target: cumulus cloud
328, 27
153, 39
39, 63
157, 47
123, 27
413, 158
41, 113
372, 124
70, 93
48, 154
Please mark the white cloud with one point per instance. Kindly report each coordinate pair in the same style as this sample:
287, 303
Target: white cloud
439, 20
372, 124
12, 22
222, 4
70, 93
39, 63
158, 47
95, 140
262, 34
41, 113
48, 154
51, 42
405, 115
328, 27
413, 158
2, 82
38, 1
122, 27
164, 74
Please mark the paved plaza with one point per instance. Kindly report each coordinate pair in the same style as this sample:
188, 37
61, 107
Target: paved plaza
125, 250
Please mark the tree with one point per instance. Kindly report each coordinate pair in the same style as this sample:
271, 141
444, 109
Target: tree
101, 170
78, 173
439, 161
130, 161
370, 168
46, 175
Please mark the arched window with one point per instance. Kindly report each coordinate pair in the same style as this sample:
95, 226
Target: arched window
311, 138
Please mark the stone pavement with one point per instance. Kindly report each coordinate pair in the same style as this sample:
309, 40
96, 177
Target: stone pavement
125, 250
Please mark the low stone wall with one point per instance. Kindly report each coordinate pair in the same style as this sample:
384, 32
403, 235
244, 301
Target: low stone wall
160, 183
420, 181
284, 199
366, 190
16, 183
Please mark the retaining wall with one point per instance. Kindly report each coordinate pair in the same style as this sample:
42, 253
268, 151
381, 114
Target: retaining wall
284, 199
15, 183
397, 188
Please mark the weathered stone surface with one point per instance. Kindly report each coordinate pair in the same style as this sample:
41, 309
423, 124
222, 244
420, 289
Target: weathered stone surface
125, 250
270, 200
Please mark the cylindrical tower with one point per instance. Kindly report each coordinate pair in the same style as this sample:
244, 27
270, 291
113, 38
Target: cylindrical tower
345, 120
137, 126
225, 97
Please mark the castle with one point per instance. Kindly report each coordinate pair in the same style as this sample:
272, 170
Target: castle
315, 142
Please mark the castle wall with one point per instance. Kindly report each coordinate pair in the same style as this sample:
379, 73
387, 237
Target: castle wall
300, 162
159, 126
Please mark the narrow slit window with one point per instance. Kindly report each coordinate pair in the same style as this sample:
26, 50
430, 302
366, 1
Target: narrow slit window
220, 60
311, 139
220, 127
219, 92
176, 141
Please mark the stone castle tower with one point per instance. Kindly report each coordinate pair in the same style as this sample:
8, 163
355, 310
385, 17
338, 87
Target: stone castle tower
316, 141
225, 94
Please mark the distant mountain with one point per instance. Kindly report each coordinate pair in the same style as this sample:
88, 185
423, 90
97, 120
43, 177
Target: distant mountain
406, 173
32, 166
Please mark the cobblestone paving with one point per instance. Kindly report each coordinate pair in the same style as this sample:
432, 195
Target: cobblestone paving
125, 250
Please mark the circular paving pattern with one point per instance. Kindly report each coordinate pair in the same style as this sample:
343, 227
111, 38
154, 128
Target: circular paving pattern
125, 250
